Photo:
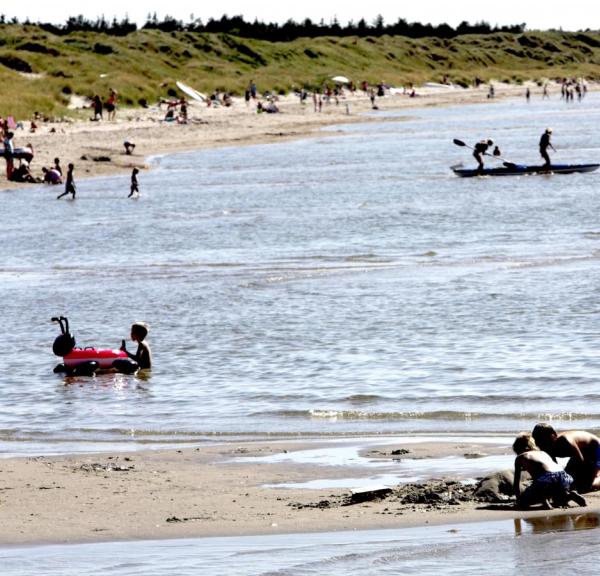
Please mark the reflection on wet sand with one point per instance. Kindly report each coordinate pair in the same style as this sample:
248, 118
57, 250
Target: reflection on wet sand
561, 523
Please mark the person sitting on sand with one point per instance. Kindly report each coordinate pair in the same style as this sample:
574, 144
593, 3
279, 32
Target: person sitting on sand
479, 150
23, 174
550, 481
271, 108
582, 448
143, 356
51, 176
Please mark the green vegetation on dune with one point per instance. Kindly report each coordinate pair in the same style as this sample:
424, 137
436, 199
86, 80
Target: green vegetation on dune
40, 71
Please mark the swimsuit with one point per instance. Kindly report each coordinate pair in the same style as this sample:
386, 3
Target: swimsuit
549, 485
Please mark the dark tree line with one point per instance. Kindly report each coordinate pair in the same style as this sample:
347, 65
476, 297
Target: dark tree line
290, 30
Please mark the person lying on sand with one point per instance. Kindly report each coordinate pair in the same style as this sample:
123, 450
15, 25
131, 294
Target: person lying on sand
582, 449
550, 481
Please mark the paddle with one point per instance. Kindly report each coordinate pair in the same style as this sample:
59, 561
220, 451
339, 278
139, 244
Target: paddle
505, 162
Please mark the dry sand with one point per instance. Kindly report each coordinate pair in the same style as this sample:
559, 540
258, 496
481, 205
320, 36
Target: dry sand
96, 148
196, 492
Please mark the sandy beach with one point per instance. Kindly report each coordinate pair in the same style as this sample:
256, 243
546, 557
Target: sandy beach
96, 148
219, 491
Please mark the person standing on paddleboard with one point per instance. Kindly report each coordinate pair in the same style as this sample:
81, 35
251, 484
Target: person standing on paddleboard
479, 150
545, 144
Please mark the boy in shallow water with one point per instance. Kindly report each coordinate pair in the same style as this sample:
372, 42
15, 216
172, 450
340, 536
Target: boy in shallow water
550, 481
143, 356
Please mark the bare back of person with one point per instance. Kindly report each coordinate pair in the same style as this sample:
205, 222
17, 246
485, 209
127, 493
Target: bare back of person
583, 450
536, 462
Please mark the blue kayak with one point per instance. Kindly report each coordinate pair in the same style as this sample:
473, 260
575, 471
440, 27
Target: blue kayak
522, 169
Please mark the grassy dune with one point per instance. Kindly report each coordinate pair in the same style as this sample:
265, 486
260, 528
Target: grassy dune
39, 71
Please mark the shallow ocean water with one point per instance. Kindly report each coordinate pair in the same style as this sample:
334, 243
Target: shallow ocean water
337, 285
539, 546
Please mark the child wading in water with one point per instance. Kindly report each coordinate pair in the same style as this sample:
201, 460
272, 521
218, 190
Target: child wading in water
143, 356
69, 184
134, 183
550, 481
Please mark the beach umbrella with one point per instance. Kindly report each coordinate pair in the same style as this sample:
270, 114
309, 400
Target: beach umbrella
341, 79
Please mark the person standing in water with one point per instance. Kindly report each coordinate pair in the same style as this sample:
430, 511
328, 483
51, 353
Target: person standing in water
69, 184
134, 183
544, 145
143, 355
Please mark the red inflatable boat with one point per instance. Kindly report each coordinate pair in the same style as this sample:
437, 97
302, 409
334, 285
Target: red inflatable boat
104, 358
87, 361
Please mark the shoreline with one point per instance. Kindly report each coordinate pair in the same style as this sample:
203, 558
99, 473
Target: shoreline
225, 489
96, 148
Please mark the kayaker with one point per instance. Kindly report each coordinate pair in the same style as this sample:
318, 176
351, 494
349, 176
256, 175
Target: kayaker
479, 150
545, 144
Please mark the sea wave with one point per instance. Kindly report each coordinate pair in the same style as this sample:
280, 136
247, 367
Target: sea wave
437, 415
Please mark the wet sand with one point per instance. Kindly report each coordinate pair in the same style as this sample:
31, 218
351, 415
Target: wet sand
218, 490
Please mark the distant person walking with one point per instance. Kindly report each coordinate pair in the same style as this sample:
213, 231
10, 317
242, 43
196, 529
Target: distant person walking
527, 94
372, 98
545, 144
134, 184
69, 184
